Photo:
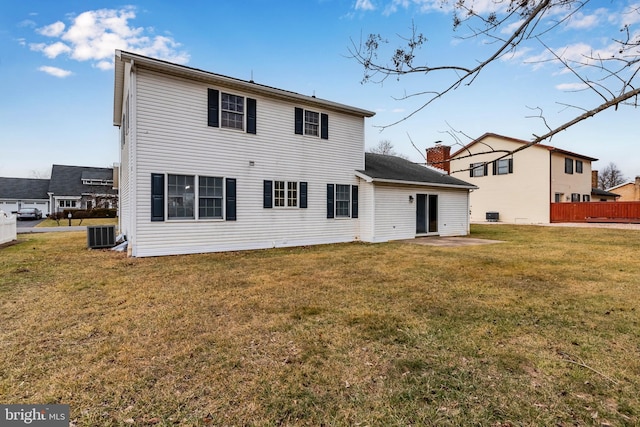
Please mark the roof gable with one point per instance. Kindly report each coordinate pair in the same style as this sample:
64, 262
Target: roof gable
383, 168
68, 180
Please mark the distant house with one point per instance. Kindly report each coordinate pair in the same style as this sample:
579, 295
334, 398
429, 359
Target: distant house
628, 191
70, 187
18, 193
213, 163
82, 187
519, 187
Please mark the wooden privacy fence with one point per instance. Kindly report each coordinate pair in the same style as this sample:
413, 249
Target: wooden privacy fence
628, 212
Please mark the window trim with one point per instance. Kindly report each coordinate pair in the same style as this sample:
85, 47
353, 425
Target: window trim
160, 199
332, 201
215, 111
300, 123
271, 198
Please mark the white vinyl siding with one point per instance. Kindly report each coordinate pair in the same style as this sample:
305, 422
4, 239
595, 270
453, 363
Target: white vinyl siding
173, 138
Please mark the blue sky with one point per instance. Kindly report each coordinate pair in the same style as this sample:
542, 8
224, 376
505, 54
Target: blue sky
57, 77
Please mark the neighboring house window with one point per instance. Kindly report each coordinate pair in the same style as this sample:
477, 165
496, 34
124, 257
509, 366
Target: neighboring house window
210, 196
231, 111
503, 167
568, 165
586, 197
342, 201
575, 197
285, 194
214, 197
558, 197
578, 166
477, 170
311, 123
67, 203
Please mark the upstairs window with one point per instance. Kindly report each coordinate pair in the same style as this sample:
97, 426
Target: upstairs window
231, 111
477, 170
578, 166
568, 165
586, 197
503, 167
311, 123
575, 197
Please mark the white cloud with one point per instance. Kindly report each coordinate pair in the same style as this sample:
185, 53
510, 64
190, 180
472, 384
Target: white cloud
364, 5
95, 35
572, 87
580, 21
51, 51
55, 71
53, 30
631, 14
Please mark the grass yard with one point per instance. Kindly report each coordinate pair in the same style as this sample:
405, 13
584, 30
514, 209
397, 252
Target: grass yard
85, 221
541, 330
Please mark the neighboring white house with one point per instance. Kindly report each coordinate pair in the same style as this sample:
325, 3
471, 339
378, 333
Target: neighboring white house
213, 163
520, 187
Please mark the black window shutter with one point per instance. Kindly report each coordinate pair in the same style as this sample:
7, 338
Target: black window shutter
251, 115
354, 201
510, 165
303, 195
494, 166
157, 197
267, 196
471, 170
231, 199
212, 102
299, 122
330, 201
486, 169
324, 126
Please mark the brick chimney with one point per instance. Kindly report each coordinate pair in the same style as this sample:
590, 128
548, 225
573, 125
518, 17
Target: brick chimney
594, 179
438, 157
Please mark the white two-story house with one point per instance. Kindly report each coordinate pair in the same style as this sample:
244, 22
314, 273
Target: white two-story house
213, 163
520, 187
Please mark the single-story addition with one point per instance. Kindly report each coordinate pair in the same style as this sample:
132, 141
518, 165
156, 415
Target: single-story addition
212, 163
403, 200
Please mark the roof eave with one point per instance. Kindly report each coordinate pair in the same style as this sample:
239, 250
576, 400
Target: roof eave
212, 78
368, 178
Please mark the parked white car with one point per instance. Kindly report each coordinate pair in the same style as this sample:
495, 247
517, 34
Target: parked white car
29, 213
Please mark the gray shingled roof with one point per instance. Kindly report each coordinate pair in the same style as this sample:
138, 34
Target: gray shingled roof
67, 180
24, 188
380, 167
600, 192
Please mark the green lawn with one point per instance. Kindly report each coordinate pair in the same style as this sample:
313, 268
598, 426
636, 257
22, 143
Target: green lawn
541, 330
85, 221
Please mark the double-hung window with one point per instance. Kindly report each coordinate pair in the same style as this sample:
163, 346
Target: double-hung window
210, 196
568, 165
477, 169
182, 199
578, 166
342, 201
231, 111
311, 123
503, 166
